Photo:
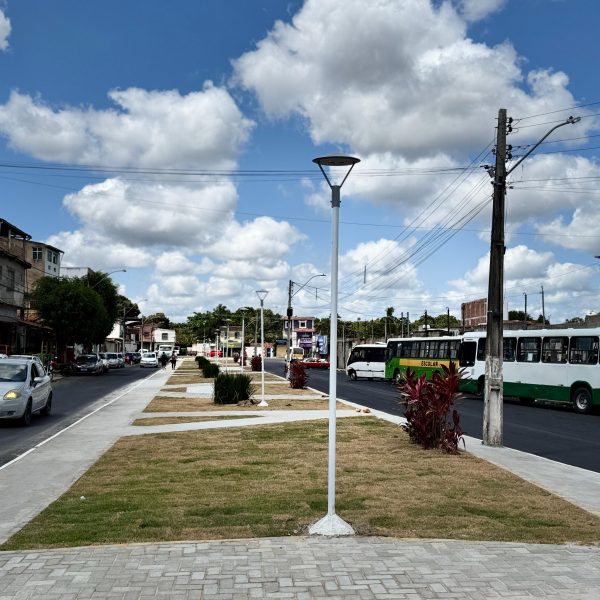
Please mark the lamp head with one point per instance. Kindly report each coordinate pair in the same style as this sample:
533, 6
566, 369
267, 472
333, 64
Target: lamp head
262, 294
336, 161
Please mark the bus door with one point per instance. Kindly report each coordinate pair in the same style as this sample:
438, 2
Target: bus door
375, 362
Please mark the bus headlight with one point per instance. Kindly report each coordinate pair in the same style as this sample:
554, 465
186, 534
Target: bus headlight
12, 395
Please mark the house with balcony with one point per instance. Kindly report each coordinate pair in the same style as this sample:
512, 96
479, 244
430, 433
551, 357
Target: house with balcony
302, 334
17, 335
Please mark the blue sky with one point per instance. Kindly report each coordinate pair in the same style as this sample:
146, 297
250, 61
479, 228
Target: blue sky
176, 142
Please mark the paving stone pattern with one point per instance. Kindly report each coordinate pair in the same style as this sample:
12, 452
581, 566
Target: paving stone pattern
301, 568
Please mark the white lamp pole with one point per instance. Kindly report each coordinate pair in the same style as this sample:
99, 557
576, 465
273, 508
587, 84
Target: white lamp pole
227, 345
332, 524
243, 353
217, 334
262, 294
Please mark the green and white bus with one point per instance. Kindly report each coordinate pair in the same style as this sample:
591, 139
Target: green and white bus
420, 354
559, 365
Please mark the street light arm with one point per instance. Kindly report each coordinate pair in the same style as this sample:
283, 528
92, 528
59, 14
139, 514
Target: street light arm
306, 283
105, 275
569, 121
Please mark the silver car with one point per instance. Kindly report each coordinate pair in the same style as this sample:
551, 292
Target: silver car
25, 388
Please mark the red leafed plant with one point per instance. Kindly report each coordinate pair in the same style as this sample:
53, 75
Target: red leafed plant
432, 420
298, 375
256, 363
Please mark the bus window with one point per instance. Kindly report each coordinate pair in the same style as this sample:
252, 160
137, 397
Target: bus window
509, 346
467, 354
555, 349
375, 354
356, 355
528, 349
481, 349
583, 350
406, 349
392, 350
453, 348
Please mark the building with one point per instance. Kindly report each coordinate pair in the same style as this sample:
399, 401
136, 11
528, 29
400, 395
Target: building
72, 272
302, 333
45, 262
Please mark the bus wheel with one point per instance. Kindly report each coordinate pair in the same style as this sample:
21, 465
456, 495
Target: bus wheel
481, 386
397, 377
582, 400
352, 375
526, 401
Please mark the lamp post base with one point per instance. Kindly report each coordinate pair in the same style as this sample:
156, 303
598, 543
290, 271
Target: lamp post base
262, 403
331, 525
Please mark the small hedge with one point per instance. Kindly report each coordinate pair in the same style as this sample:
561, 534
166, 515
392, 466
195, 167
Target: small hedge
201, 361
210, 370
232, 388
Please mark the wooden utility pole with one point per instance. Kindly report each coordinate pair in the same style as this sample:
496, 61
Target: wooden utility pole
493, 395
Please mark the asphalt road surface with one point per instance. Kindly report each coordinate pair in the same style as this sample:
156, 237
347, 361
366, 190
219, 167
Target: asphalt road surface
552, 431
73, 397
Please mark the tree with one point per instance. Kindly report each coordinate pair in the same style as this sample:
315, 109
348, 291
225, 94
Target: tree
519, 315
159, 319
73, 310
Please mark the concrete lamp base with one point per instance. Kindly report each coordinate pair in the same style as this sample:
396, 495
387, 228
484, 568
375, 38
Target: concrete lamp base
262, 403
331, 525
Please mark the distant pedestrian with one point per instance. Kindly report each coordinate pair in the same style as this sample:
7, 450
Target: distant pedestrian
164, 359
173, 360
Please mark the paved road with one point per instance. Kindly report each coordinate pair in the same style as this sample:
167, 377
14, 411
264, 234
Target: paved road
554, 432
73, 397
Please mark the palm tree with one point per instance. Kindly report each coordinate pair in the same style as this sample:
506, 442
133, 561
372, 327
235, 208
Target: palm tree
389, 314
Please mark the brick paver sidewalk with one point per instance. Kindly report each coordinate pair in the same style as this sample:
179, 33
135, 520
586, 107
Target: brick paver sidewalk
303, 568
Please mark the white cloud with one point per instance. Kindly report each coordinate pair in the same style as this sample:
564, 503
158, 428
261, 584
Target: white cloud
151, 129
407, 81
265, 240
88, 249
5, 29
151, 214
475, 10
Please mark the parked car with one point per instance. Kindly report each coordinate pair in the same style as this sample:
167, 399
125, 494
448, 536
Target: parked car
137, 356
121, 360
104, 358
315, 363
25, 388
88, 363
150, 359
218, 354
113, 360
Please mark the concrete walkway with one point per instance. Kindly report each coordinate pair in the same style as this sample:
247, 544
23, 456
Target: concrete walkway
294, 568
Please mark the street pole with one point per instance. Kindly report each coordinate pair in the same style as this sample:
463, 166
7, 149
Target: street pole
448, 319
262, 294
493, 394
290, 313
243, 356
332, 524
543, 309
525, 315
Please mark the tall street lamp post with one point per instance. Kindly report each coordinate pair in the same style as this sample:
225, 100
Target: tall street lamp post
262, 294
227, 344
332, 524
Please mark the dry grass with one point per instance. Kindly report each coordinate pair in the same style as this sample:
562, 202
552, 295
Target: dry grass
272, 480
175, 390
286, 389
184, 379
168, 404
174, 420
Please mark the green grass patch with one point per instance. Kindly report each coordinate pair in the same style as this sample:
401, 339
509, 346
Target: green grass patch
272, 481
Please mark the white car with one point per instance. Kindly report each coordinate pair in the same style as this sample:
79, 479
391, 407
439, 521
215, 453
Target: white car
149, 359
25, 388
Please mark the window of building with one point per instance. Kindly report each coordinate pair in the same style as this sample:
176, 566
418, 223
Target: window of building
10, 278
165, 337
49, 255
302, 324
37, 253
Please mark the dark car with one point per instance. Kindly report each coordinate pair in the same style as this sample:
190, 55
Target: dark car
88, 363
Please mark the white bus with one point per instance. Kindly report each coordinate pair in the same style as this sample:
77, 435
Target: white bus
560, 365
366, 360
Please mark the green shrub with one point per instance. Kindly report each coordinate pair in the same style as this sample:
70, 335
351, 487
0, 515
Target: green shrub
210, 370
232, 388
202, 361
